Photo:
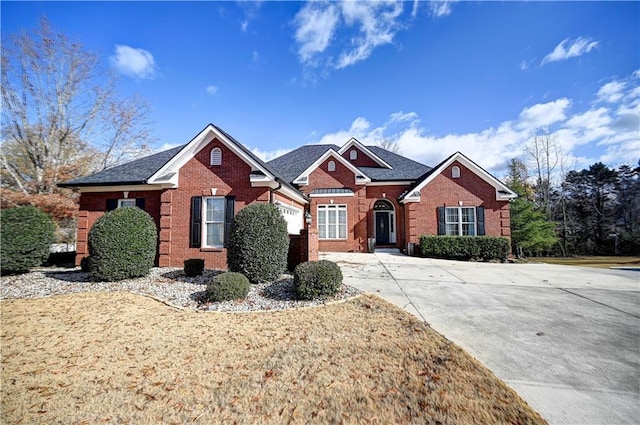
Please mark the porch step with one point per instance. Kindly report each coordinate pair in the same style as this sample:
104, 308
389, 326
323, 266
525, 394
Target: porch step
388, 250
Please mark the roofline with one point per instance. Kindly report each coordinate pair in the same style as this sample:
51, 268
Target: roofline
127, 183
340, 158
460, 157
353, 141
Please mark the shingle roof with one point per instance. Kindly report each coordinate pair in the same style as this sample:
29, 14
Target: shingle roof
331, 191
134, 172
292, 164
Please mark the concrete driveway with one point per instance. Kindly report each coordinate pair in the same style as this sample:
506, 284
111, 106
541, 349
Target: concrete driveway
567, 339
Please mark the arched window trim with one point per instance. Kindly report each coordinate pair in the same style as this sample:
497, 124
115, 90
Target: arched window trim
455, 172
216, 156
353, 155
331, 166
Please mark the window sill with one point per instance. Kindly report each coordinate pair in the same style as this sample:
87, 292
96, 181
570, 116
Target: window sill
212, 249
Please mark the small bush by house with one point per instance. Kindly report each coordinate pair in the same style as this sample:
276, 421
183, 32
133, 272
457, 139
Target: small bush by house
122, 244
258, 243
27, 235
85, 264
193, 267
228, 286
480, 248
317, 279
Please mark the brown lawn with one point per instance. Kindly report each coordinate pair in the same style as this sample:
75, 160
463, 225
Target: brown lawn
591, 261
124, 358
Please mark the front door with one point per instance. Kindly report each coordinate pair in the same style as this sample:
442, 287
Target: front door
382, 228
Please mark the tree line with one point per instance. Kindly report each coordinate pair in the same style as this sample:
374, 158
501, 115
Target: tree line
559, 211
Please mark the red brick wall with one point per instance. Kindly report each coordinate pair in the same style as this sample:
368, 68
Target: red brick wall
362, 161
197, 178
94, 205
444, 190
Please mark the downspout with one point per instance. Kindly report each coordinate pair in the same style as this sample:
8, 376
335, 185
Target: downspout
271, 201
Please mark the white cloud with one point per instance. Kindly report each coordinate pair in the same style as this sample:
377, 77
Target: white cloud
137, 63
607, 132
255, 56
544, 114
363, 26
440, 8
316, 23
211, 90
569, 49
611, 92
269, 155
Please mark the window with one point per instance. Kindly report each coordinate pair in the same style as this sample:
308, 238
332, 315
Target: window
126, 203
460, 221
455, 172
216, 156
213, 220
332, 221
353, 154
331, 166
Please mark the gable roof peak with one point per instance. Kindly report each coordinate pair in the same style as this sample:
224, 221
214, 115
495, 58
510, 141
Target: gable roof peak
354, 142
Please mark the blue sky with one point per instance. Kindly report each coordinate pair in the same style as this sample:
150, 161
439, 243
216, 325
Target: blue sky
437, 77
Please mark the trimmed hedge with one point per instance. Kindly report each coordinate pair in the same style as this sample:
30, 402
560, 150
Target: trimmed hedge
193, 267
228, 286
479, 248
27, 235
122, 245
317, 279
258, 243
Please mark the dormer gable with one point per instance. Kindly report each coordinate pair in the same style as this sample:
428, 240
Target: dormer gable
331, 158
361, 156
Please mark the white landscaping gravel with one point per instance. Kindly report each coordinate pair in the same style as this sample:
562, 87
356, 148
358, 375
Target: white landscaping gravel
168, 284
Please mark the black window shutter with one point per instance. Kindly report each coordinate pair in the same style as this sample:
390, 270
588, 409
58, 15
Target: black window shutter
480, 220
196, 222
442, 228
229, 212
140, 203
112, 204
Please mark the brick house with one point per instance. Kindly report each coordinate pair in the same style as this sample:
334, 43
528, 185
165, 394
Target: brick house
339, 198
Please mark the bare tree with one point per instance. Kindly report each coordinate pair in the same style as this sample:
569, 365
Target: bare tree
55, 97
543, 153
389, 145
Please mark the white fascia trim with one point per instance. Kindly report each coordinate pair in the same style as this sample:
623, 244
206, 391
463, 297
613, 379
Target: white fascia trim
390, 183
331, 195
123, 188
354, 142
292, 194
198, 143
356, 172
497, 184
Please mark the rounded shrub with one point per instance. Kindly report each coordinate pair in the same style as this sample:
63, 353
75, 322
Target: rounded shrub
228, 286
85, 264
193, 267
27, 235
122, 244
258, 243
317, 279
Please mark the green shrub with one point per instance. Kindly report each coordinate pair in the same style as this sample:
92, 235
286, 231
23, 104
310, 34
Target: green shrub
27, 235
317, 279
85, 264
484, 248
228, 286
193, 267
258, 243
122, 244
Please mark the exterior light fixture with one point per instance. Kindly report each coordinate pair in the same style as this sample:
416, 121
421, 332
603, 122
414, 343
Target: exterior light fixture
307, 217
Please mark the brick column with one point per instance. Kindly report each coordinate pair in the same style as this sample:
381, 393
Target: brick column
312, 244
164, 247
505, 223
82, 238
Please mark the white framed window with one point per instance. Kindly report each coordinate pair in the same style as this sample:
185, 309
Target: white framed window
460, 221
332, 221
213, 222
216, 156
353, 155
131, 202
331, 166
455, 172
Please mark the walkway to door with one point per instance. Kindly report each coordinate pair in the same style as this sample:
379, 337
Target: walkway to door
567, 339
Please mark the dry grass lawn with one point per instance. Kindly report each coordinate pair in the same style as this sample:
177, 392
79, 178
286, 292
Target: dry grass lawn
589, 261
123, 358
